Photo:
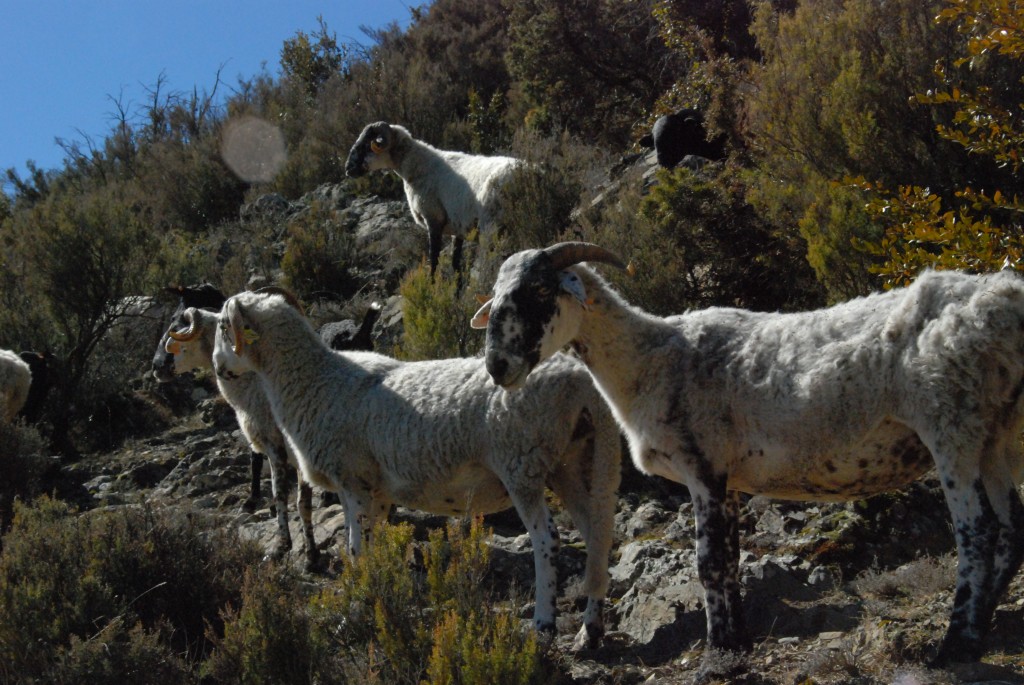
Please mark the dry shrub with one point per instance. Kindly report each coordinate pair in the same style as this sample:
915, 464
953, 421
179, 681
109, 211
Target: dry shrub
107, 591
267, 639
923, 577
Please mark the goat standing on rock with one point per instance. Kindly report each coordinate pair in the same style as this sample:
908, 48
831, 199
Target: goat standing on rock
188, 346
436, 436
834, 404
448, 192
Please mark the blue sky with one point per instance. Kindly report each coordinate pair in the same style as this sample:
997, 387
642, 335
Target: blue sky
61, 61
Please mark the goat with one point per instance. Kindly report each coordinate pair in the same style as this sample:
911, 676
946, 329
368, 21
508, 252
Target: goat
680, 137
348, 335
190, 348
203, 296
448, 192
340, 335
834, 404
42, 366
15, 379
436, 436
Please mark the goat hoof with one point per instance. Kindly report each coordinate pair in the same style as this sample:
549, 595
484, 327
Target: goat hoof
312, 560
250, 505
279, 550
589, 637
546, 632
956, 650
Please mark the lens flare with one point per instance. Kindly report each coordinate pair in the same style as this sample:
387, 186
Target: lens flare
253, 149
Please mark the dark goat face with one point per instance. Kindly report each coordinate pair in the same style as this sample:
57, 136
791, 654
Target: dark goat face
201, 296
678, 135
371, 151
533, 314
163, 361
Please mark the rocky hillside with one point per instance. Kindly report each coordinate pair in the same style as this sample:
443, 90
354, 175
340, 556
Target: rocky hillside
835, 594
852, 593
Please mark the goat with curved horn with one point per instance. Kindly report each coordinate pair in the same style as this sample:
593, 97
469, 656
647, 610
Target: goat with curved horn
188, 335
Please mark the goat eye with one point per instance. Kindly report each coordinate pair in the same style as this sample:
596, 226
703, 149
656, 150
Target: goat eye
543, 291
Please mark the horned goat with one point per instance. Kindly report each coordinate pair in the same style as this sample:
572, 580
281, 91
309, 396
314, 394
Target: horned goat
188, 346
436, 436
15, 379
203, 296
448, 192
190, 342
834, 404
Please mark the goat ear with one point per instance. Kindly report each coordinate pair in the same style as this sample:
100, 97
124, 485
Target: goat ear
571, 283
482, 316
239, 326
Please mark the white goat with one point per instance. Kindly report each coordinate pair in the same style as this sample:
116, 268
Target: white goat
190, 339
15, 380
448, 192
833, 404
436, 436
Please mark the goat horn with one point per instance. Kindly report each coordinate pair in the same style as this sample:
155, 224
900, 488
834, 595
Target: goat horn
288, 296
189, 334
566, 254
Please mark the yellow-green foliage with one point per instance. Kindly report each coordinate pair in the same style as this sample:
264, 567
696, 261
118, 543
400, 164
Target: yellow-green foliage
832, 101
392, 620
436, 315
475, 650
456, 564
268, 639
968, 228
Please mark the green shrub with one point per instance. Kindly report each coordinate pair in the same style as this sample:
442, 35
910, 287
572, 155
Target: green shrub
470, 650
396, 621
268, 639
436, 315
118, 654
319, 255
695, 241
22, 463
133, 572
471, 647
537, 204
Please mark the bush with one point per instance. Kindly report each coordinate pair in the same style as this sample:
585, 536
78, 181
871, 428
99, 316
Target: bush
470, 650
436, 315
390, 619
151, 582
22, 463
268, 639
696, 242
119, 653
536, 205
318, 256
